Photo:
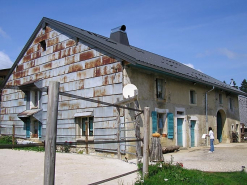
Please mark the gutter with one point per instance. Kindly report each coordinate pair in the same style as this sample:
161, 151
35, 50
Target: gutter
206, 104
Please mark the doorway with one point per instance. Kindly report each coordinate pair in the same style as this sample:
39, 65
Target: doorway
192, 133
180, 131
219, 127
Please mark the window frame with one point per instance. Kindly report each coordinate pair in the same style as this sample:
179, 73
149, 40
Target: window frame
193, 98
82, 126
159, 89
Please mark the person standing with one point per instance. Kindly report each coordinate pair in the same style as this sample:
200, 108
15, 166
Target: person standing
211, 136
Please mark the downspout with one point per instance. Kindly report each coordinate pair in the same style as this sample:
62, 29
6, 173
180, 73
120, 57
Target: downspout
207, 111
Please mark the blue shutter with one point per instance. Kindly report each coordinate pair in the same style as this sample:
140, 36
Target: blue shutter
40, 129
170, 125
28, 128
154, 122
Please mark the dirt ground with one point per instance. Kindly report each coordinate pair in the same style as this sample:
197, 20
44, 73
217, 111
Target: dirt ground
22, 167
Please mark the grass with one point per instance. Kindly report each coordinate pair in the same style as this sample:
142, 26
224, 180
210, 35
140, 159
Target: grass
8, 140
166, 173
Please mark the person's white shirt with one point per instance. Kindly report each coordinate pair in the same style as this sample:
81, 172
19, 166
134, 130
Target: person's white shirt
211, 134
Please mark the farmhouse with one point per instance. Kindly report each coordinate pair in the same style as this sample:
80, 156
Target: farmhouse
184, 102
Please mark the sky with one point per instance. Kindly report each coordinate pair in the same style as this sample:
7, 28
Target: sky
207, 35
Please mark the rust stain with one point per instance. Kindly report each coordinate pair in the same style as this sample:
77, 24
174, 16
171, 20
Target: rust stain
93, 63
3, 110
119, 67
58, 47
36, 55
65, 53
99, 92
36, 69
17, 75
113, 78
64, 79
48, 65
97, 72
81, 84
61, 88
40, 38
107, 60
17, 82
52, 42
105, 81
48, 29
19, 68
70, 43
86, 55
32, 63
40, 75
70, 59
75, 67
64, 104
29, 51
26, 58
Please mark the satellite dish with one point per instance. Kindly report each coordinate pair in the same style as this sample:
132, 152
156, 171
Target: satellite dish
129, 90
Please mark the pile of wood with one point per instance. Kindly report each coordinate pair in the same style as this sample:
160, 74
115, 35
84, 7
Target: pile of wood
170, 149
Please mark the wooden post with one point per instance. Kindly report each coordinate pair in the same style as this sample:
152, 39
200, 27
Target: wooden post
137, 129
51, 133
86, 138
13, 136
118, 133
146, 141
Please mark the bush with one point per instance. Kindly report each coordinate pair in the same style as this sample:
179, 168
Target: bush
6, 140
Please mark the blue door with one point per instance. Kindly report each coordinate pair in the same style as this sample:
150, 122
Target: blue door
180, 131
219, 127
28, 128
192, 133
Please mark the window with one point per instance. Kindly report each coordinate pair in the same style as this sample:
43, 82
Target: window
157, 122
86, 126
43, 45
34, 99
220, 99
230, 103
192, 97
159, 89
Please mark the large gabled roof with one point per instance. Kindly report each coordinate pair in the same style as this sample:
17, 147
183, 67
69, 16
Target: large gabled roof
130, 54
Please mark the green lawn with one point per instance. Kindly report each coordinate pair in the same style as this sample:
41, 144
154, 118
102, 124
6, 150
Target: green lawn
165, 173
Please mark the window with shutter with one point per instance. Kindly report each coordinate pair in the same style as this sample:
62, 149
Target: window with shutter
154, 122
170, 121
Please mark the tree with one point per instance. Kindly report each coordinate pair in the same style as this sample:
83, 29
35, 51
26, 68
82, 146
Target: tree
233, 84
244, 86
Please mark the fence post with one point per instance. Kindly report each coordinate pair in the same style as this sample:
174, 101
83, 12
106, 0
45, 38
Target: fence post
118, 133
51, 133
146, 141
86, 138
13, 136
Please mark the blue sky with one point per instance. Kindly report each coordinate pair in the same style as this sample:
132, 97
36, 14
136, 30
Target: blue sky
209, 35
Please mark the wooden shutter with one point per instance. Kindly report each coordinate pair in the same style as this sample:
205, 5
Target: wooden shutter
40, 129
154, 122
170, 125
28, 128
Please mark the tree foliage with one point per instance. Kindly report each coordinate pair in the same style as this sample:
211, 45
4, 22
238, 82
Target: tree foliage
244, 86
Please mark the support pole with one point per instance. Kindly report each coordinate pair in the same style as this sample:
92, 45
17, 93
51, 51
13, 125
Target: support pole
146, 141
51, 133
86, 138
118, 133
13, 136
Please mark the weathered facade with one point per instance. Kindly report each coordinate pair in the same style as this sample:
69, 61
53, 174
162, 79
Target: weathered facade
243, 109
93, 66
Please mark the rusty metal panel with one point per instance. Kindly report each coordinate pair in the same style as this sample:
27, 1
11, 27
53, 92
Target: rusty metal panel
104, 112
93, 82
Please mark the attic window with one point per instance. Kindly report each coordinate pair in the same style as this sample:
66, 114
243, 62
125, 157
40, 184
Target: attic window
43, 45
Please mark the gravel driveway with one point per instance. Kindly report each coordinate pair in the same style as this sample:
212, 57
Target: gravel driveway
22, 167
227, 157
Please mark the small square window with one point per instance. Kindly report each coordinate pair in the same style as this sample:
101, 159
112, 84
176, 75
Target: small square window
43, 45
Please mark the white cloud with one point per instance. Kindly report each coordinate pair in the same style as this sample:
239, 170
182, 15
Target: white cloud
222, 52
192, 66
3, 33
5, 61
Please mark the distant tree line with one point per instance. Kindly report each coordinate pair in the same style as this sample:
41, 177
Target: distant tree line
243, 86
